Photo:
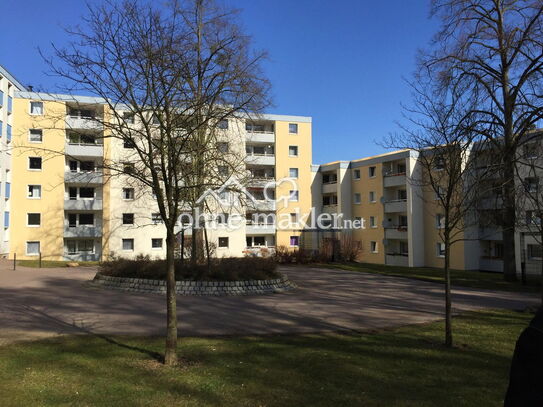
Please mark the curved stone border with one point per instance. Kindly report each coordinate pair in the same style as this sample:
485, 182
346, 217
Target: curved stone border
214, 288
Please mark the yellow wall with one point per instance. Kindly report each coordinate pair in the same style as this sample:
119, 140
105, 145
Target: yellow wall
283, 139
365, 209
51, 178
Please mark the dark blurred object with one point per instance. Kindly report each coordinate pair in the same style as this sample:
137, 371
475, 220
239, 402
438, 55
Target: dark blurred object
526, 376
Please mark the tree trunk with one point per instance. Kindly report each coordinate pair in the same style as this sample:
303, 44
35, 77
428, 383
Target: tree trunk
193, 251
170, 354
448, 306
182, 244
508, 220
208, 257
541, 264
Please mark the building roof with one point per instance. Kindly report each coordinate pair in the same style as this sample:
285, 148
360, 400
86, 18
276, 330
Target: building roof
4, 72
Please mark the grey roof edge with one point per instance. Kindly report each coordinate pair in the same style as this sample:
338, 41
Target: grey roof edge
5, 73
395, 155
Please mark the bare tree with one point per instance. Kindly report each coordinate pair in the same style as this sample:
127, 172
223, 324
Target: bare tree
167, 76
447, 178
494, 49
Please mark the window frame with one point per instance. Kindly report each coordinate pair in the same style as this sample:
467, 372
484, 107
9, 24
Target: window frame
34, 141
29, 191
297, 151
35, 169
221, 238
128, 239
28, 224
27, 253
31, 102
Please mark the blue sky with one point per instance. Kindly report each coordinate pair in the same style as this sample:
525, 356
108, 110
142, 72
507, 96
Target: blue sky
341, 62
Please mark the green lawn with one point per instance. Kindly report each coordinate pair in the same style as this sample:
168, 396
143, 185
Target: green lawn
54, 263
401, 367
474, 279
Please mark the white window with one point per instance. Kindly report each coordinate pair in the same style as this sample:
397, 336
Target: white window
356, 174
293, 128
34, 163
85, 246
440, 221
371, 172
32, 248
33, 219
373, 247
293, 172
293, 151
35, 135
128, 245
36, 108
223, 242
128, 193
294, 196
156, 218
440, 249
34, 191
156, 243
372, 196
373, 222
357, 198
439, 193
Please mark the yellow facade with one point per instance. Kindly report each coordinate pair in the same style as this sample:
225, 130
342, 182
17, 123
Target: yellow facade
51, 179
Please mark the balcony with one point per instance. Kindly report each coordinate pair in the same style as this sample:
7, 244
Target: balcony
397, 259
82, 231
399, 232
83, 205
259, 228
490, 233
329, 209
83, 123
255, 136
329, 188
260, 159
262, 205
84, 150
395, 180
83, 177
399, 205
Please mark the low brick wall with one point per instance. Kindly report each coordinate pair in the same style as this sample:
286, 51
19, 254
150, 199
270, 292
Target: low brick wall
213, 288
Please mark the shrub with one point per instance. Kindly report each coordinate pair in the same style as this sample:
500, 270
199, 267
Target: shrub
223, 269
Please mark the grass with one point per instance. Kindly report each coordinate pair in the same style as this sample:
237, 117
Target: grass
54, 263
462, 278
402, 367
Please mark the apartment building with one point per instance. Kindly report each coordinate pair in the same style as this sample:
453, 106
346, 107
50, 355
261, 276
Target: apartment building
8, 86
68, 208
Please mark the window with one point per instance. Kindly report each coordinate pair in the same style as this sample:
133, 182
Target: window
371, 171
329, 178
86, 193
223, 170
32, 248
222, 218
72, 193
373, 247
71, 246
293, 217
6, 219
530, 184
372, 196
535, 252
128, 245
85, 246
223, 124
129, 144
87, 166
531, 151
156, 218
128, 168
293, 128
440, 193
356, 174
257, 241
440, 221
156, 243
439, 163
295, 240
72, 220
155, 119
223, 242
294, 196
128, 218
73, 165
440, 249
223, 147
329, 200
402, 195
533, 218
293, 151
33, 219
34, 163
34, 191
35, 136
128, 117
357, 198
36, 108
404, 248
293, 172
128, 193
86, 219
373, 223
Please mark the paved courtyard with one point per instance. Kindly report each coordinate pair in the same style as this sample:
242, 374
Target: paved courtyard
37, 303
